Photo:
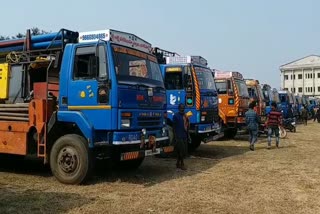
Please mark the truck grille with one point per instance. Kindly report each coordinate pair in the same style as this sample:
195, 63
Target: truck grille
149, 121
211, 116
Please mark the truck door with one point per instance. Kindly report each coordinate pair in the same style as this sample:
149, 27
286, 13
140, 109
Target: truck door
89, 90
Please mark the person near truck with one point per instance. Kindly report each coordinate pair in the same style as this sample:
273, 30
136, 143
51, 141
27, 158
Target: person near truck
274, 120
304, 115
252, 120
180, 131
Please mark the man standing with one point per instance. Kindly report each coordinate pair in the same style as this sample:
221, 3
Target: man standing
252, 121
304, 115
180, 131
273, 122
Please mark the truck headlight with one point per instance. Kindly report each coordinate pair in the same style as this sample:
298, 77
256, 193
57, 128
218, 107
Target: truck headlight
163, 131
125, 123
144, 131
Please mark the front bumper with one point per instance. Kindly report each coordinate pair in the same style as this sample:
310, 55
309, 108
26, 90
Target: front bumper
205, 128
144, 153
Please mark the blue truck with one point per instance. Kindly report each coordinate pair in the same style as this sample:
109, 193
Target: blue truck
188, 80
288, 102
84, 96
271, 95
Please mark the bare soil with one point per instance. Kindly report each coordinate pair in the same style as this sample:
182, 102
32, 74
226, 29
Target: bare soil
222, 177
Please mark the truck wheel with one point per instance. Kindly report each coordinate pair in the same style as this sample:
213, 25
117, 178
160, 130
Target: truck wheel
129, 164
195, 143
230, 133
70, 159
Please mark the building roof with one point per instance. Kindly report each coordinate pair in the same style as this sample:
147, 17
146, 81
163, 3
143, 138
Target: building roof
305, 62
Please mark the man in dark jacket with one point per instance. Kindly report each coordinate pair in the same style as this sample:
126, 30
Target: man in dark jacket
180, 130
304, 115
252, 121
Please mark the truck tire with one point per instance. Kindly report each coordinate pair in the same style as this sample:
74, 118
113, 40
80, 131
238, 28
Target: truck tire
230, 133
70, 159
195, 143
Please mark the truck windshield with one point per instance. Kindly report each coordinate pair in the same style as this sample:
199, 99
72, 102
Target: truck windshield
276, 97
266, 94
242, 88
252, 91
221, 86
283, 98
260, 92
134, 67
205, 78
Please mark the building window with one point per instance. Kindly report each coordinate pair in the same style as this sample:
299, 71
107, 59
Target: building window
300, 89
318, 75
318, 88
294, 90
291, 76
310, 89
286, 77
294, 77
300, 76
313, 75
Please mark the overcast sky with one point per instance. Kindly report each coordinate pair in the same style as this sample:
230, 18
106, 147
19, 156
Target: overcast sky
253, 37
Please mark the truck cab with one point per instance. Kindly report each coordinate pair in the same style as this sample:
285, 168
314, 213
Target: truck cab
271, 95
100, 96
287, 102
188, 80
233, 101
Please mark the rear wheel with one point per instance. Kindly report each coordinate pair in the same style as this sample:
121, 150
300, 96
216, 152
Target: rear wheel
195, 143
230, 133
70, 159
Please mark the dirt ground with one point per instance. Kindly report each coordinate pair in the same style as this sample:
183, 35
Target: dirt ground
222, 177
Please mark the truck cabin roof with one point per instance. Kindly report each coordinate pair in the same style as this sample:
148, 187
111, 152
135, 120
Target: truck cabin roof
116, 37
227, 75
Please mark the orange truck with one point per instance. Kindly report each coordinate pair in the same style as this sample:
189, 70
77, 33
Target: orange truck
256, 95
233, 101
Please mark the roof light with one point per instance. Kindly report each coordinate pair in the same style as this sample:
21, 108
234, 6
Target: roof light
187, 59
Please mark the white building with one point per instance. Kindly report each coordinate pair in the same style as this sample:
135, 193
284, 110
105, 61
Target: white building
302, 76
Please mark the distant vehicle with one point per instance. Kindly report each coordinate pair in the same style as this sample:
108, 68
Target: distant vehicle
270, 95
256, 95
233, 101
287, 101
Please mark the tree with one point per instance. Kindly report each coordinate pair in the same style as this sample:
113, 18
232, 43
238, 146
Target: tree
34, 31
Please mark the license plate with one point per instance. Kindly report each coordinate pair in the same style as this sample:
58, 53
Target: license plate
150, 152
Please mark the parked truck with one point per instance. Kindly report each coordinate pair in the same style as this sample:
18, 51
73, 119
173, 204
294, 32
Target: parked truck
256, 95
233, 101
70, 98
288, 101
188, 80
